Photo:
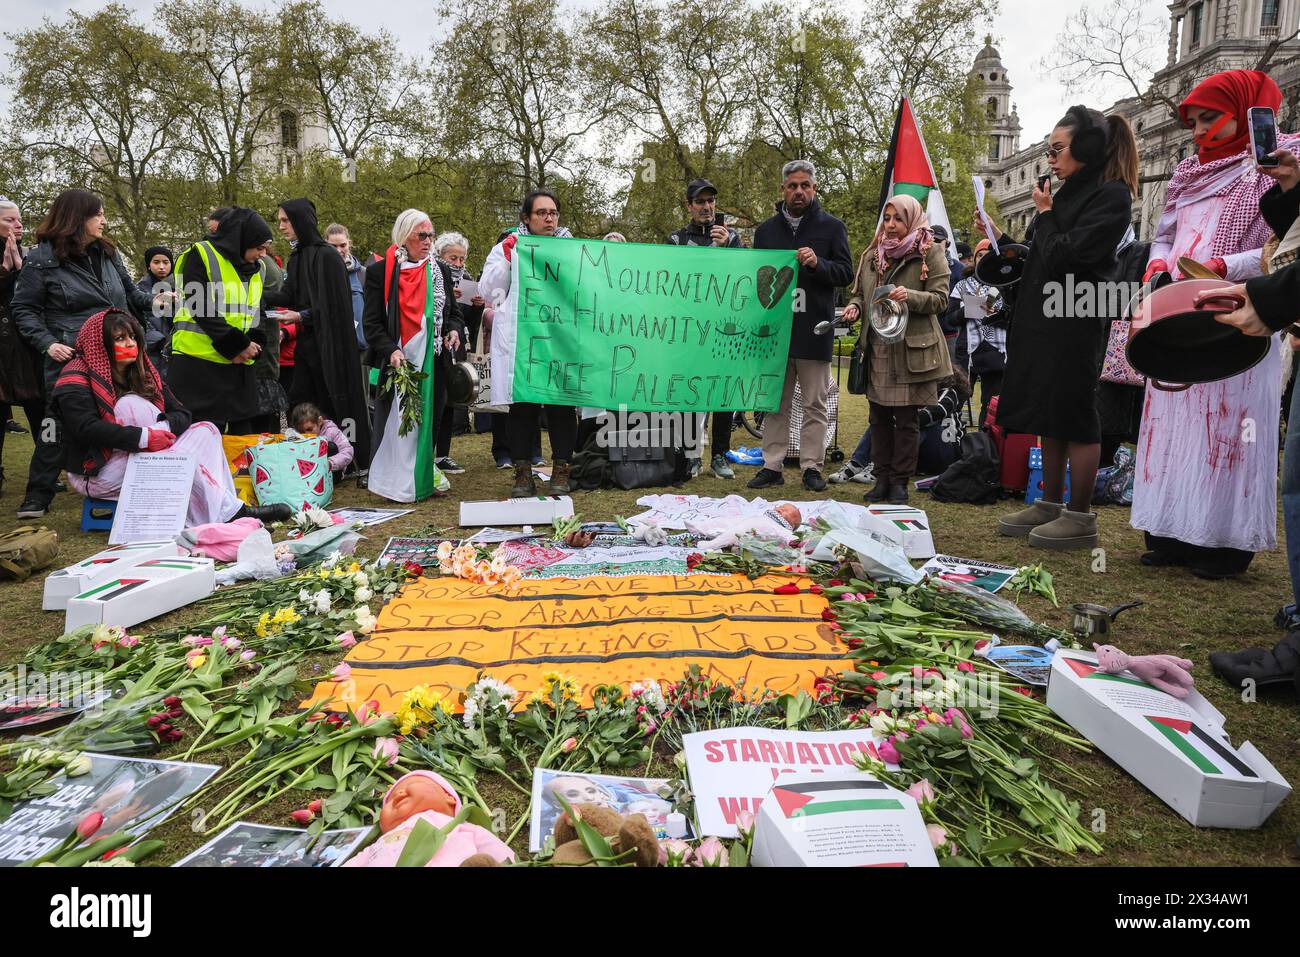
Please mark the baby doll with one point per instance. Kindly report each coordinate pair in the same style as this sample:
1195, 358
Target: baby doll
424, 795
778, 524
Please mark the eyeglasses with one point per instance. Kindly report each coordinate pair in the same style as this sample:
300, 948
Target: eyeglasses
1053, 152
547, 213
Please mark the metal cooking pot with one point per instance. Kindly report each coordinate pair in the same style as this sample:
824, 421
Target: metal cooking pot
888, 318
1174, 336
462, 383
1090, 620
1003, 268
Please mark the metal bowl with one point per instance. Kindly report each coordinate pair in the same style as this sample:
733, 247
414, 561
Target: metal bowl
462, 383
888, 318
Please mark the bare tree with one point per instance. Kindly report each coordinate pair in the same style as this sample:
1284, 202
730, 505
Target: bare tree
1120, 43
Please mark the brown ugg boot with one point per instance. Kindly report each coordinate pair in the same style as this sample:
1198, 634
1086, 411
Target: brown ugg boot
525, 487
1069, 530
1021, 523
560, 478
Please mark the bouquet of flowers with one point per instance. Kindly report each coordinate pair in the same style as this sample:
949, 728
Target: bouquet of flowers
479, 564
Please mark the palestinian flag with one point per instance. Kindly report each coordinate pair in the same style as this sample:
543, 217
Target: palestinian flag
1085, 669
908, 169
802, 800
108, 590
1200, 747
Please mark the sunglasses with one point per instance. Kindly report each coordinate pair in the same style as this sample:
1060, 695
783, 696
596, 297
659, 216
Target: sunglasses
1053, 152
424, 237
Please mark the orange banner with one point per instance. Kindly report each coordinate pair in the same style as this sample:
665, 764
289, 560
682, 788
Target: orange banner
446, 632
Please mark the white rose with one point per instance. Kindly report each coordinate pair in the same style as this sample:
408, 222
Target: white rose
364, 594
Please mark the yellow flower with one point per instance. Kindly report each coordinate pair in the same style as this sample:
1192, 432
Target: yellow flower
354, 568
421, 706
262, 630
196, 661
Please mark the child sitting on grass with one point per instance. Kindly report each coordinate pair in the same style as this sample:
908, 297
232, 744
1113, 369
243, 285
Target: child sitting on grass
306, 418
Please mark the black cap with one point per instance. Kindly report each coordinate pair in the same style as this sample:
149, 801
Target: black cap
697, 186
939, 232
963, 250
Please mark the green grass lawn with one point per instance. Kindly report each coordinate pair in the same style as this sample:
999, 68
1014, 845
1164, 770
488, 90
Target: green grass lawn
1182, 615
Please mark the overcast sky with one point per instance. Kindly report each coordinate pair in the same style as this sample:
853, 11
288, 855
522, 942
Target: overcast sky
1023, 33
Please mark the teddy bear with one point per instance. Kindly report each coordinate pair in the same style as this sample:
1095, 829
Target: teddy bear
631, 832
1165, 672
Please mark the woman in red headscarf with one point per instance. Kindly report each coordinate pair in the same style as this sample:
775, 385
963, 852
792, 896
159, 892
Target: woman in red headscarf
113, 404
1205, 491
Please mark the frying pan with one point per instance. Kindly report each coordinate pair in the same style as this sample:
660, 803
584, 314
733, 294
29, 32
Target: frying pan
462, 383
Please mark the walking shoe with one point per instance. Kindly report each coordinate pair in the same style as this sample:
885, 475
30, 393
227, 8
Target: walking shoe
880, 491
505, 462
60, 486
898, 494
852, 472
14, 427
538, 461
765, 479
449, 466
1159, 559
524, 487
813, 481
1069, 530
1286, 617
721, 468
1021, 523
560, 479
1212, 574
31, 508
697, 466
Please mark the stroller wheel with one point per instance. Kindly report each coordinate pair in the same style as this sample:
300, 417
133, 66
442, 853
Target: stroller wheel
836, 455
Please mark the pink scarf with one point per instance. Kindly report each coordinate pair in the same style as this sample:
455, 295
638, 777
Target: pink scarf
917, 242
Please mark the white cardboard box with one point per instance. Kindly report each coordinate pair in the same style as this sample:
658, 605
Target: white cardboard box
145, 590
1176, 748
64, 584
517, 511
839, 821
909, 526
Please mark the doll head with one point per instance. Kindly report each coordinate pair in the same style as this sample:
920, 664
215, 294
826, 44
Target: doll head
790, 514
416, 792
578, 790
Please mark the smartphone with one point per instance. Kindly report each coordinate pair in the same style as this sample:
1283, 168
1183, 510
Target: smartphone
1043, 181
1263, 135
719, 219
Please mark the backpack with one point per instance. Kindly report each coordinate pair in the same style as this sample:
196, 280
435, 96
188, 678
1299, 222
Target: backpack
589, 469
975, 477
26, 549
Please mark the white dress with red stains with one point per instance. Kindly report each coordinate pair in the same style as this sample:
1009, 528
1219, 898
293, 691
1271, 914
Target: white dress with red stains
1207, 457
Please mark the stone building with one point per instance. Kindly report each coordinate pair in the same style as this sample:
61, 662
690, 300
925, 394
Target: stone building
1205, 37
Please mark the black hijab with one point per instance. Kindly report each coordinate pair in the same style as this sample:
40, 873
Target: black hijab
317, 279
241, 230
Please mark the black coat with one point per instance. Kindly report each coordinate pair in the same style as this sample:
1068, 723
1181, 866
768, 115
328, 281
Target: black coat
829, 239
1054, 361
85, 429
1276, 297
21, 379
54, 297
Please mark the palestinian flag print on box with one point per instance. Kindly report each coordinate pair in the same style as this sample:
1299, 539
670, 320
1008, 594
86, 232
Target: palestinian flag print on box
1200, 747
110, 590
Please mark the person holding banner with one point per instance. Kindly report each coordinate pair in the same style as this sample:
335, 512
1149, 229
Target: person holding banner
113, 404
539, 215
903, 376
706, 229
411, 318
825, 264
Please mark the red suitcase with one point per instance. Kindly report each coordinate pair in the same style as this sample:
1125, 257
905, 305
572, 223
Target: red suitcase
1013, 450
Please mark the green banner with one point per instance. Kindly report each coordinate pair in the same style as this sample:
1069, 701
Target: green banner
650, 328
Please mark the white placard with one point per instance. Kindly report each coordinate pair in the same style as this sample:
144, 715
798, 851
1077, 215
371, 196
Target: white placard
989, 231
468, 290
155, 497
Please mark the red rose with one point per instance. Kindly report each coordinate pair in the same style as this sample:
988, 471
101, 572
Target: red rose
828, 615
789, 588
414, 569
835, 583
816, 589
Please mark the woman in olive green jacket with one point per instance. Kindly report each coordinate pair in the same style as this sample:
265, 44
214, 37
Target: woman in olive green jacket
902, 377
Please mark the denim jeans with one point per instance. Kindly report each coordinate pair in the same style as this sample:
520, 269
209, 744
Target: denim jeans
1291, 493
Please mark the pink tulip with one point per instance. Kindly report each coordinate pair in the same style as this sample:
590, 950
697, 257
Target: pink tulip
569, 744
346, 640
128, 641
938, 835
314, 806
889, 754
247, 655
386, 751
921, 791
302, 816
91, 823
341, 672
965, 666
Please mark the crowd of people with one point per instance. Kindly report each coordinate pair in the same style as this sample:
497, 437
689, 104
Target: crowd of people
103, 364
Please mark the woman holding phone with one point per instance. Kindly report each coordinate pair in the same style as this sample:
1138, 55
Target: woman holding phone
1205, 489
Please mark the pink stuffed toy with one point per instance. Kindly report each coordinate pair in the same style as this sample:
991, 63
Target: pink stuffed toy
1165, 672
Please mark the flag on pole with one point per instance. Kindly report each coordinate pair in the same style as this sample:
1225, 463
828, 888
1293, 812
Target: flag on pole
908, 169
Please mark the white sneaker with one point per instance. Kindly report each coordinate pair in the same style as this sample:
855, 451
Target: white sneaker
852, 473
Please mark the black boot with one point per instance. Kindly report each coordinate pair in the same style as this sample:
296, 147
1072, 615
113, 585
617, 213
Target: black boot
266, 514
898, 494
880, 491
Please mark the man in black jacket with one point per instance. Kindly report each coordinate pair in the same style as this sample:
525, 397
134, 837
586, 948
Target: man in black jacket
703, 230
821, 245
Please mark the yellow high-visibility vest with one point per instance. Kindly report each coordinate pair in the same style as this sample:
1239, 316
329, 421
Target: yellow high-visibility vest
237, 303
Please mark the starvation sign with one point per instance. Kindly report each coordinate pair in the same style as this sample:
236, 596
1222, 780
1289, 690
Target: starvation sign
642, 327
